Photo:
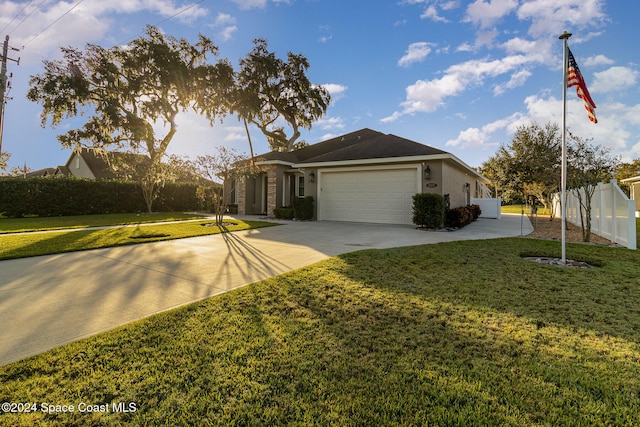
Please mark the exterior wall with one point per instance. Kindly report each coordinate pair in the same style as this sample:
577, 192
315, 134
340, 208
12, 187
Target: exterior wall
634, 189
432, 182
458, 184
78, 167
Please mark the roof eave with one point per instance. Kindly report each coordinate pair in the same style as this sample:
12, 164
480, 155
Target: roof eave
387, 160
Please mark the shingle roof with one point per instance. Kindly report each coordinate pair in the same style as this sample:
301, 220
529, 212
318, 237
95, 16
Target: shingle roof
96, 163
358, 145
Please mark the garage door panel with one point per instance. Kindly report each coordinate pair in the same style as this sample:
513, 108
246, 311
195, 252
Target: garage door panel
382, 196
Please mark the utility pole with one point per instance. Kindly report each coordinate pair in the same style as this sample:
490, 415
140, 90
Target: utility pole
3, 82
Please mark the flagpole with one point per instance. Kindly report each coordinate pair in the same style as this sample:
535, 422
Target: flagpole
563, 195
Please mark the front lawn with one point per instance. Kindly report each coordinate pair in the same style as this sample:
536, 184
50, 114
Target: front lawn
34, 244
465, 333
16, 225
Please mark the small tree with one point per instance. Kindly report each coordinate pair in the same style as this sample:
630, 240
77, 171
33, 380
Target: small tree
588, 165
224, 165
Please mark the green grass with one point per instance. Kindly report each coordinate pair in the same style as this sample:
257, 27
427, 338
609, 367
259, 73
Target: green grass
518, 209
464, 333
15, 225
34, 244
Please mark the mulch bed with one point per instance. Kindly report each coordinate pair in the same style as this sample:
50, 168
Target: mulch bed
545, 228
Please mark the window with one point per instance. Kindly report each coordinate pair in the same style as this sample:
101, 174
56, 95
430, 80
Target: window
301, 186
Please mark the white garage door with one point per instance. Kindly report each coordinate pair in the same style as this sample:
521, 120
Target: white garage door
378, 196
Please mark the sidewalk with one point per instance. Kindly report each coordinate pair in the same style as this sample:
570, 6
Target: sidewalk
52, 300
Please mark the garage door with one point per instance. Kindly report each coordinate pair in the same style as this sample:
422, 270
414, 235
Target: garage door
378, 196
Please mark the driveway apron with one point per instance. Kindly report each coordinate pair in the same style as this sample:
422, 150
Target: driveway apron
52, 300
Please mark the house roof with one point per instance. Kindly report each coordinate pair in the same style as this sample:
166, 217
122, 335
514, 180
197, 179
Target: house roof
362, 147
96, 163
358, 145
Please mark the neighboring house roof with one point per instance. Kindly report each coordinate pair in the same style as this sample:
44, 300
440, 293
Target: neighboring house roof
632, 179
362, 146
41, 172
96, 163
63, 170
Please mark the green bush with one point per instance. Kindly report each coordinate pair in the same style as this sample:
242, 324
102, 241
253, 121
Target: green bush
284, 213
303, 208
61, 196
428, 210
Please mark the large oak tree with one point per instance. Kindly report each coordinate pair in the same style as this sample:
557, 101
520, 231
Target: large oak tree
271, 93
128, 92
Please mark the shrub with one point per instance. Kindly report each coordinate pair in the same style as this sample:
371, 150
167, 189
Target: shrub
284, 213
49, 196
303, 208
461, 216
428, 210
476, 211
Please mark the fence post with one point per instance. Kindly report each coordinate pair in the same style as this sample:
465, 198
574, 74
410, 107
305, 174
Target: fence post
632, 241
614, 213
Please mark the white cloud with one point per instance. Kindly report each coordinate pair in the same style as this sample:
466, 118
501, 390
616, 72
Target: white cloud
486, 14
517, 79
615, 79
428, 96
336, 91
550, 17
481, 137
89, 22
416, 52
594, 61
228, 25
328, 123
432, 13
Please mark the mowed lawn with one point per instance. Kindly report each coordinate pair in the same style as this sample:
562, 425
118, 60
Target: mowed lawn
464, 333
132, 229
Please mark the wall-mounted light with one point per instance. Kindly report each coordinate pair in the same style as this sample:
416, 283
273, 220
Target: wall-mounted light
312, 177
427, 172
467, 186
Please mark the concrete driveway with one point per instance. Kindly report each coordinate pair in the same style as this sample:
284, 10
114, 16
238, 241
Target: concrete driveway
52, 300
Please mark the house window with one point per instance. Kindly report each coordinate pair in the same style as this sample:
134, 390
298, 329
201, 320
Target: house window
301, 186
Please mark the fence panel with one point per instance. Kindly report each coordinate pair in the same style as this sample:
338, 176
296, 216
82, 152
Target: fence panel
490, 208
612, 213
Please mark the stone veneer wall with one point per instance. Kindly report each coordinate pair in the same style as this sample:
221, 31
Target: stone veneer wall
272, 191
242, 195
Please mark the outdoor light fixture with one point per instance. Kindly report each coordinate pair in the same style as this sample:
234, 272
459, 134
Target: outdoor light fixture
427, 172
312, 177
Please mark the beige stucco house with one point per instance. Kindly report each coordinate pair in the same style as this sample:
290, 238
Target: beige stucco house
363, 176
634, 191
84, 163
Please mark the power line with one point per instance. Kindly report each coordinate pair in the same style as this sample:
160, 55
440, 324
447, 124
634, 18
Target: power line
53, 23
166, 19
16, 17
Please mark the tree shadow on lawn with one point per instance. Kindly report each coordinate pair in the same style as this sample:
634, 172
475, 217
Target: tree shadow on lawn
368, 338
492, 275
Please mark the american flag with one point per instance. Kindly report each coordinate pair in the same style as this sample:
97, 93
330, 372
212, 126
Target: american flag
575, 79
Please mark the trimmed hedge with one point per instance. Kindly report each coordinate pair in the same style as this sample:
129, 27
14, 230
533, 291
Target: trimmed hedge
72, 196
464, 215
284, 213
428, 210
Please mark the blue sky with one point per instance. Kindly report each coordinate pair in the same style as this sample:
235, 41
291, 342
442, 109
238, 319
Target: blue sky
457, 75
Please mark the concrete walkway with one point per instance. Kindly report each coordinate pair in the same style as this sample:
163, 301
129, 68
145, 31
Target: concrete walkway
52, 300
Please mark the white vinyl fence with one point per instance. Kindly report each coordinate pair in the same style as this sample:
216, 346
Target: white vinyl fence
490, 208
612, 213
